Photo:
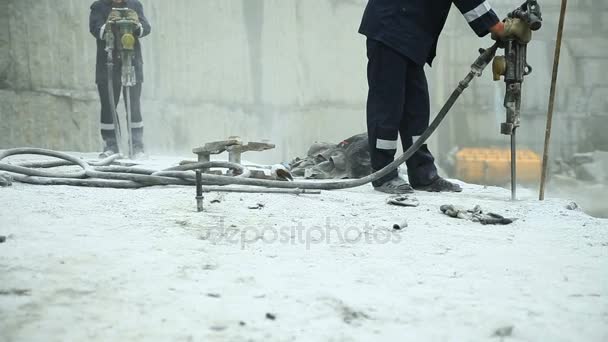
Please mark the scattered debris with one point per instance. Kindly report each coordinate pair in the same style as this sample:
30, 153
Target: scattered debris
400, 226
281, 172
476, 215
403, 201
503, 332
214, 295
219, 198
270, 316
573, 206
218, 328
258, 206
348, 314
183, 223
16, 292
5, 180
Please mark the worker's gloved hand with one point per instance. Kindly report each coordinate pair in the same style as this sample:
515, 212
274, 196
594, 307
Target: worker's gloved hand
132, 16
113, 17
514, 28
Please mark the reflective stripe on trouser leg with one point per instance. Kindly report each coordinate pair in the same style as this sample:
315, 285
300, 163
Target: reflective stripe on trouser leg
139, 124
389, 145
107, 127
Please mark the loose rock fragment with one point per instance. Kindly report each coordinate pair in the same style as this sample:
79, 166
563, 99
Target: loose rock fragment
572, 206
503, 332
403, 201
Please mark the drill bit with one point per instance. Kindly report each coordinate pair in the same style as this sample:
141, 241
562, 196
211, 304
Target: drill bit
513, 167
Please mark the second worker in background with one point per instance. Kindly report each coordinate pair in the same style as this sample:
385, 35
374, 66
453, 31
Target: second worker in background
98, 22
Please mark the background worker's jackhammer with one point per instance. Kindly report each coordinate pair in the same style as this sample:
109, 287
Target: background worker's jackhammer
123, 20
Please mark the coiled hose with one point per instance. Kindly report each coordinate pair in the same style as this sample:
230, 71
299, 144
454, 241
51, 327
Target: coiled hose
103, 175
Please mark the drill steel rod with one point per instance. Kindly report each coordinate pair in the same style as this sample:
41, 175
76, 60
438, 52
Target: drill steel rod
112, 100
558, 48
127, 96
513, 166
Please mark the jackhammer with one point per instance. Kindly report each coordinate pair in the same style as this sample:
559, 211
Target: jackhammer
513, 67
122, 24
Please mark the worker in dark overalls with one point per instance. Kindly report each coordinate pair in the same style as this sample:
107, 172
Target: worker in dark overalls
401, 37
100, 12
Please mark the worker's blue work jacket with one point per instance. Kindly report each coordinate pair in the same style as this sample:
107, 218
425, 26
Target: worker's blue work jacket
412, 27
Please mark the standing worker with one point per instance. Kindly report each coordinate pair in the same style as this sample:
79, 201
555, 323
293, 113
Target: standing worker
401, 37
101, 11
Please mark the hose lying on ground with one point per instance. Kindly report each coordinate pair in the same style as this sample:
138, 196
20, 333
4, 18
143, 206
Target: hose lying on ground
103, 174
121, 177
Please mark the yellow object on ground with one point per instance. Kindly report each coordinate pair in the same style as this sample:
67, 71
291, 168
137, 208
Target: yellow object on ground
491, 166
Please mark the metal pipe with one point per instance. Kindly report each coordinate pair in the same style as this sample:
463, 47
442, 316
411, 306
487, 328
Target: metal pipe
558, 48
199, 191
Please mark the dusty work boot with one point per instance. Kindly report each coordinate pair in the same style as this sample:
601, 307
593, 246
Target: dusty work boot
396, 186
110, 149
439, 185
139, 152
5, 180
138, 143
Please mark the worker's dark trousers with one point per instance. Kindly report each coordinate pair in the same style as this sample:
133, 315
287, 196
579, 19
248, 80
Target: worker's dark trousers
398, 104
107, 119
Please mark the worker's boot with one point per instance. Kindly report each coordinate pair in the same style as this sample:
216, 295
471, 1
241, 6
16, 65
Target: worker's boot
110, 148
439, 185
5, 180
138, 143
396, 186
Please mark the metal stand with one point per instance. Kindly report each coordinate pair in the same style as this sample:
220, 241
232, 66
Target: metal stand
199, 191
